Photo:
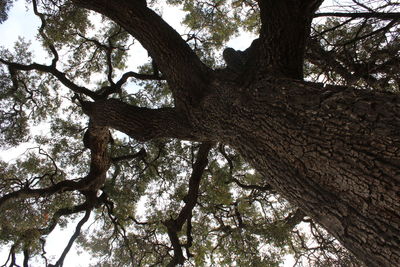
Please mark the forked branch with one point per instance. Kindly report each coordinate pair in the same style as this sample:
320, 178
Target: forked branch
175, 225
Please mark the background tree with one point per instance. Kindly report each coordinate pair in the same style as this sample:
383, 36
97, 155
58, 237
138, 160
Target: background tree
191, 161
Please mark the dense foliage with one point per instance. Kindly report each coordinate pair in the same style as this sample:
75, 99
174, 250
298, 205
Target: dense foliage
161, 198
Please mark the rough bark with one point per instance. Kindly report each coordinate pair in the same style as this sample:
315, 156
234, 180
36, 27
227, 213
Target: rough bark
141, 123
285, 23
333, 151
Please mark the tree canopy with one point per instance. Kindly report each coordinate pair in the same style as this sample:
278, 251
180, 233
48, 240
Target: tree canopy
128, 156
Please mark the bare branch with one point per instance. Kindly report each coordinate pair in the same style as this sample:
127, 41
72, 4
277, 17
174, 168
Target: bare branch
78, 228
365, 15
52, 70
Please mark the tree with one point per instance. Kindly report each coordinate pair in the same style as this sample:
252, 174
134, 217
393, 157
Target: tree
313, 108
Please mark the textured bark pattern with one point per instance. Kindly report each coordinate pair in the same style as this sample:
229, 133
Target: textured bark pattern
332, 151
286, 24
141, 123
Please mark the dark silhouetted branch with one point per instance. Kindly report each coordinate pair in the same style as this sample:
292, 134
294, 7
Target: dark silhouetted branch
364, 15
175, 225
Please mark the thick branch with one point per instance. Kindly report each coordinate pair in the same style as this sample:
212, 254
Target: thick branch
176, 60
98, 138
285, 29
140, 123
24, 193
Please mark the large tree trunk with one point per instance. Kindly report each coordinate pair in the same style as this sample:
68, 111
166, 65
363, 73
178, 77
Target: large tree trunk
334, 152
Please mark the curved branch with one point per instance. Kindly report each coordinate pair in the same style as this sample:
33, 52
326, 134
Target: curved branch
62, 212
97, 140
78, 228
24, 193
175, 225
44, 36
54, 71
115, 88
174, 57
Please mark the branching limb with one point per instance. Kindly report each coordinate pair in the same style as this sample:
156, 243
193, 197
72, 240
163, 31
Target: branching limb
55, 72
67, 185
11, 257
384, 29
98, 138
119, 228
63, 212
116, 87
44, 36
176, 60
175, 225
